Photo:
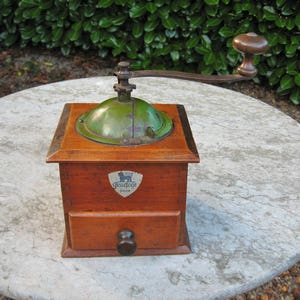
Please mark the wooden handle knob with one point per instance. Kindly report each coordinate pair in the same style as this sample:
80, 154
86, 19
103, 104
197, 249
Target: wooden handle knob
249, 44
127, 245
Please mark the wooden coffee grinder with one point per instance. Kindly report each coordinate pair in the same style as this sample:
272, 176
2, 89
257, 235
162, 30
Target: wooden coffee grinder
123, 167
123, 170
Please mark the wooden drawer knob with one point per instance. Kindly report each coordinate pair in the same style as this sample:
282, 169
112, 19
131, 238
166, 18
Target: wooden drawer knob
127, 245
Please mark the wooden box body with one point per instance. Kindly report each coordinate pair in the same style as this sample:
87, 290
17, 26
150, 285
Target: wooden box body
95, 211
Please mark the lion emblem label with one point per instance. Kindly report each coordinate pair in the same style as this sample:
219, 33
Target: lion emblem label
125, 182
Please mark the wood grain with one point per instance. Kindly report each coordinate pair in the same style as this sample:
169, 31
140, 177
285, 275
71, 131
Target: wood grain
95, 213
75, 148
99, 230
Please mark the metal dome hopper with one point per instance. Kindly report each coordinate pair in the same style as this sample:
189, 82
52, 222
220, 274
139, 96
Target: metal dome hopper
124, 120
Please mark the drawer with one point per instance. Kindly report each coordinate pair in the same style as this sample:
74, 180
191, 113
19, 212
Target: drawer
99, 230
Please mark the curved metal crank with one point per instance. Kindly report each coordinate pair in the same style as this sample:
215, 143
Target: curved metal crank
248, 44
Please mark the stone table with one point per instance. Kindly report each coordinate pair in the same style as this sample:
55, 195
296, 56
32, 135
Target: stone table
242, 208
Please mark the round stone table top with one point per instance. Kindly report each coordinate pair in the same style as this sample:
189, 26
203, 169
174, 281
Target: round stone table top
243, 199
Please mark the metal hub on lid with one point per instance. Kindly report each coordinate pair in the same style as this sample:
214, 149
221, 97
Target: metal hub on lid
124, 120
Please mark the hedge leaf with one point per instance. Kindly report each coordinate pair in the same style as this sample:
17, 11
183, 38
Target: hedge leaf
186, 35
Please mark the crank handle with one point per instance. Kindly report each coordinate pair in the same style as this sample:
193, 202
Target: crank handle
248, 44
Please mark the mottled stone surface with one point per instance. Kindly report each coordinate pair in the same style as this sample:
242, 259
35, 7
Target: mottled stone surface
243, 199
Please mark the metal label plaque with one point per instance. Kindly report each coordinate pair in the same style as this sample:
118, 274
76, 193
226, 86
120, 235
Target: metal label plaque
125, 182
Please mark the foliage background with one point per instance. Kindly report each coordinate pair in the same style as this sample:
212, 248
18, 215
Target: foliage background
185, 35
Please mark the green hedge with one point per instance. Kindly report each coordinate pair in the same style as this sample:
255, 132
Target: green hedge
178, 34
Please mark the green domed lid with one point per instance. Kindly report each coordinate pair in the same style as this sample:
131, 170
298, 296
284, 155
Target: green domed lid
114, 122
124, 120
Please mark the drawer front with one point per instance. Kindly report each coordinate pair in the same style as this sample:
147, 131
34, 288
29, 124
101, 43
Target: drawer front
99, 230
